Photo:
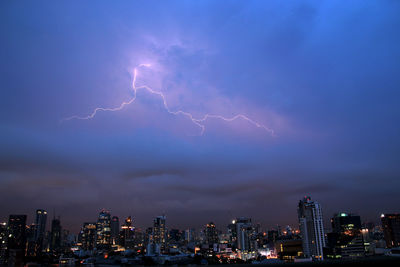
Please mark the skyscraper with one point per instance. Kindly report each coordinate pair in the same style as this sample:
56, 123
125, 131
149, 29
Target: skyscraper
16, 232
311, 228
104, 229
40, 228
159, 232
88, 236
391, 229
128, 233
342, 222
211, 234
3, 242
16, 241
244, 232
55, 234
114, 230
346, 239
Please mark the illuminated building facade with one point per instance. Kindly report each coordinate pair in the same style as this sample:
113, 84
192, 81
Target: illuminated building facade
160, 233
288, 250
342, 222
311, 228
346, 239
391, 229
103, 239
88, 236
211, 234
246, 239
128, 233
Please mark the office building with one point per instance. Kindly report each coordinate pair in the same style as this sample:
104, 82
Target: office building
127, 236
391, 229
40, 229
114, 230
160, 233
103, 239
55, 234
211, 234
311, 228
88, 236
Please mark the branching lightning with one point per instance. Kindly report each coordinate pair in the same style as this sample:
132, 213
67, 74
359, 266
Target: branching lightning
197, 121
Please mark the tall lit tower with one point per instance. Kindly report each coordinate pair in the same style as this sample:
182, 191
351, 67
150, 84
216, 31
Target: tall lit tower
128, 233
159, 232
211, 233
104, 229
40, 227
311, 228
88, 234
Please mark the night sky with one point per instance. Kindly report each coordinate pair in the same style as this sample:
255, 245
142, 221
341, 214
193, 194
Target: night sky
323, 75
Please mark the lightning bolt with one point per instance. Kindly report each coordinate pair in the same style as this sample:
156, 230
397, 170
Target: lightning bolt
197, 121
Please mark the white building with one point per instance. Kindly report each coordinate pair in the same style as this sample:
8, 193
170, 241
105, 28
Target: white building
311, 228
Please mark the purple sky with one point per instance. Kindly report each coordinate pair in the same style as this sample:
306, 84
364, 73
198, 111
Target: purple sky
324, 75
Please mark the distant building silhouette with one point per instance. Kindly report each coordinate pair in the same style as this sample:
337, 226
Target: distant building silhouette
55, 234
40, 229
16, 241
114, 230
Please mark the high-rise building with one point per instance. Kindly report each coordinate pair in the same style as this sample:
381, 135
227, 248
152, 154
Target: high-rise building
104, 229
55, 234
16, 241
127, 237
346, 239
391, 229
232, 234
40, 228
3, 242
88, 236
246, 238
189, 235
244, 232
114, 230
311, 228
343, 222
16, 232
175, 236
211, 234
159, 232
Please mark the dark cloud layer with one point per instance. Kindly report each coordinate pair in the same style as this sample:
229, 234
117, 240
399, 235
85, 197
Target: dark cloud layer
322, 75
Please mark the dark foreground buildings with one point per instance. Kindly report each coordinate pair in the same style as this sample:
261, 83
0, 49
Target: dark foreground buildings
391, 229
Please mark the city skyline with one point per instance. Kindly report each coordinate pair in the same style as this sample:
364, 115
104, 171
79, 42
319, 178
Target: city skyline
303, 98
243, 240
33, 220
